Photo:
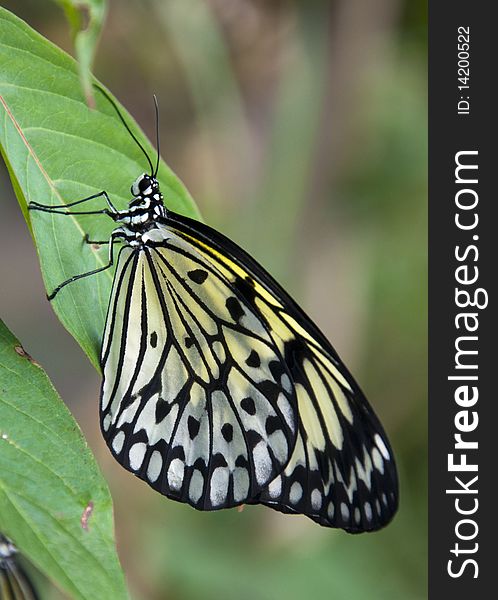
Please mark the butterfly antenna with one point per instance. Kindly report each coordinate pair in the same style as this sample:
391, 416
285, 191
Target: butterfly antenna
157, 134
113, 104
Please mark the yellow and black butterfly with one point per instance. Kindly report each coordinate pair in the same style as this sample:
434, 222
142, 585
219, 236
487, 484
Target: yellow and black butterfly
14, 582
218, 390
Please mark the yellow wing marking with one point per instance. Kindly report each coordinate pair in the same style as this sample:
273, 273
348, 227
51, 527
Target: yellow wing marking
337, 391
234, 268
324, 359
327, 409
309, 418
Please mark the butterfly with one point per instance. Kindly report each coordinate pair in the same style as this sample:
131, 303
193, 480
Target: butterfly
218, 390
14, 582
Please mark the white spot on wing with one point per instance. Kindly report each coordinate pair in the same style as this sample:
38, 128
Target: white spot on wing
262, 462
286, 409
381, 446
219, 486
316, 499
137, 453
240, 484
155, 465
377, 460
275, 487
344, 511
106, 422
196, 485
286, 383
176, 470
278, 444
117, 442
296, 492
363, 474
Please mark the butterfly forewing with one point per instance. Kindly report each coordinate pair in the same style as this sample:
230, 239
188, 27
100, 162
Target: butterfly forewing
196, 397
341, 472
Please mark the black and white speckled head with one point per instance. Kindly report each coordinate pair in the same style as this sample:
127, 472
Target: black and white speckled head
143, 186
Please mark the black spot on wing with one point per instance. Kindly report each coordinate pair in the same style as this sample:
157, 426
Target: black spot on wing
246, 287
127, 400
153, 339
152, 388
227, 432
218, 460
241, 461
198, 275
269, 389
234, 308
193, 427
162, 409
253, 359
276, 369
247, 404
295, 350
272, 424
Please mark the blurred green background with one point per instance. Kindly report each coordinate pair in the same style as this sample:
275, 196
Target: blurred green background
299, 127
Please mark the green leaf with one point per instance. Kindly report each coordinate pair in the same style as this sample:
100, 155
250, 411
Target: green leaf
57, 150
54, 502
86, 18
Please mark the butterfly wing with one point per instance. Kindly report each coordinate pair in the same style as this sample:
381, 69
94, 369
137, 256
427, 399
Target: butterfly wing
14, 582
342, 471
196, 398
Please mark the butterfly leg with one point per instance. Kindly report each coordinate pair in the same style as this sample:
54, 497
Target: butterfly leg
87, 240
114, 237
61, 208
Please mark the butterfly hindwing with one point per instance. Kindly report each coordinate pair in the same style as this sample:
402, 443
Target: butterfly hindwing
196, 398
341, 472
14, 581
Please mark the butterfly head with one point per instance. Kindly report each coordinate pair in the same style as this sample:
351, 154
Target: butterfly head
145, 185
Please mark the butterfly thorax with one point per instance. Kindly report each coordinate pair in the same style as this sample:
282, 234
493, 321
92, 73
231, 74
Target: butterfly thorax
144, 211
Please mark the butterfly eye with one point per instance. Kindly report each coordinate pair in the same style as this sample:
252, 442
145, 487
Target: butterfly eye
144, 184
140, 184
